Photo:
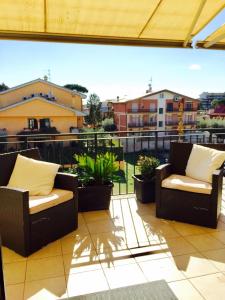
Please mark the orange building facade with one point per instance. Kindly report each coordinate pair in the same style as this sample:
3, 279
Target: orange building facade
155, 111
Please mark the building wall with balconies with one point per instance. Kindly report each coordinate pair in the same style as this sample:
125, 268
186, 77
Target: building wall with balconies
155, 111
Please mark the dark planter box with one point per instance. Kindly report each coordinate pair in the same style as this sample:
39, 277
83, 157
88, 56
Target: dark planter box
94, 197
144, 190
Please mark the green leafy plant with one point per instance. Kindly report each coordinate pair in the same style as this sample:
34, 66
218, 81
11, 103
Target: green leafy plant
147, 166
99, 170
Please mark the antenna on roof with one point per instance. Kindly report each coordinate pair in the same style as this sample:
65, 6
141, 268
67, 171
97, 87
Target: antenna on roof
149, 90
47, 77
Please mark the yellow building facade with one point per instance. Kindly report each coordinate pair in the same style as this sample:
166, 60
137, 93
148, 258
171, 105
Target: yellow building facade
38, 106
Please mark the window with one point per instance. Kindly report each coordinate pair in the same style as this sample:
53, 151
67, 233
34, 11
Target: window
45, 123
188, 106
160, 111
152, 107
32, 124
134, 107
161, 95
160, 123
169, 107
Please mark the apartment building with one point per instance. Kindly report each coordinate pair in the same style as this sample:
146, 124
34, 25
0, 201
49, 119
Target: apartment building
207, 98
39, 105
155, 111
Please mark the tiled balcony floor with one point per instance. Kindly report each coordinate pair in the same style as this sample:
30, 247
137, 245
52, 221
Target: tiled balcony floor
124, 246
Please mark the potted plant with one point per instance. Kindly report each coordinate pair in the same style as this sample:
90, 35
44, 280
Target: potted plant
95, 180
144, 184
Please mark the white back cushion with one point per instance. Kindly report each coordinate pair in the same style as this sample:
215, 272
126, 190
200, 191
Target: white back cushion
203, 161
33, 175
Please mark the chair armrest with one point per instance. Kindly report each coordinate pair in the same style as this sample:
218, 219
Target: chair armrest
163, 171
217, 179
13, 202
66, 181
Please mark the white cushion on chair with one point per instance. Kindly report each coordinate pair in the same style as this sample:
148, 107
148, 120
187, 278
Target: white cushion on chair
33, 175
184, 183
57, 196
203, 161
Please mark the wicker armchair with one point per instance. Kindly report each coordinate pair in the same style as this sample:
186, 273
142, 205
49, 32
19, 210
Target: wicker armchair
22, 231
194, 208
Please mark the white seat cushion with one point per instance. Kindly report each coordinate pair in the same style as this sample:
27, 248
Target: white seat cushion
57, 196
33, 175
184, 183
203, 161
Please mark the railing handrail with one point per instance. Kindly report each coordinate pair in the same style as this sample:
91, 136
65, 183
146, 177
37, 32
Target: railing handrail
102, 133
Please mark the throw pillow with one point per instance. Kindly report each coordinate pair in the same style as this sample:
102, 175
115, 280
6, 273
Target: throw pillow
203, 161
33, 175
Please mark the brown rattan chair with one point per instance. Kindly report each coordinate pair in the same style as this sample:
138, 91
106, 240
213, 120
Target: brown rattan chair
194, 208
23, 232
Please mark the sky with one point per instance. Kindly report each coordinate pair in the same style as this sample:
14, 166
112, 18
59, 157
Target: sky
111, 71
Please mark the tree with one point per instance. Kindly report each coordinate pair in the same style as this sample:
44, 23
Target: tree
94, 105
3, 87
76, 87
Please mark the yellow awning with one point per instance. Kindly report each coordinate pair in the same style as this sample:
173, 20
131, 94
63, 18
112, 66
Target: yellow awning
166, 23
214, 41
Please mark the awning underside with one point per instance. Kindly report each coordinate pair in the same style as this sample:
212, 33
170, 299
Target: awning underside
166, 23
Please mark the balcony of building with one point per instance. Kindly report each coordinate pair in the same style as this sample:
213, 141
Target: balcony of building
142, 110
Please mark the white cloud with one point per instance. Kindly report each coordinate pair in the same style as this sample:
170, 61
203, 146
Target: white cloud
194, 67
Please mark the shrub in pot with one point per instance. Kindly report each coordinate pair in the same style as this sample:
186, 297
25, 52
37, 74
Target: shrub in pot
144, 184
95, 177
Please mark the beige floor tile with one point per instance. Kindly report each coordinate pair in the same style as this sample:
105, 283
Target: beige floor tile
161, 231
101, 226
217, 258
219, 235
161, 269
184, 290
76, 244
111, 259
111, 240
193, 265
148, 253
124, 276
220, 227
80, 219
187, 229
14, 272
10, 256
46, 289
87, 261
53, 249
177, 246
80, 232
204, 242
44, 268
14, 291
95, 216
145, 209
86, 283
211, 286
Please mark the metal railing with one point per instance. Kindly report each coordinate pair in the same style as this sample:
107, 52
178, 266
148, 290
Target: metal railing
127, 145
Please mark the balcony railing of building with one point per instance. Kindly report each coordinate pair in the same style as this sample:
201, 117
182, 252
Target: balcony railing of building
189, 109
141, 124
126, 145
171, 123
170, 110
142, 110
